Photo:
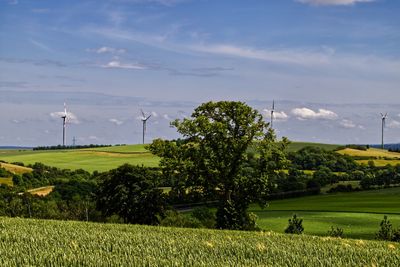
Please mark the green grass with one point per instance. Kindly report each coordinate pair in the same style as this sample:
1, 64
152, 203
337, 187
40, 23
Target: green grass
103, 158
100, 159
296, 146
358, 213
26, 242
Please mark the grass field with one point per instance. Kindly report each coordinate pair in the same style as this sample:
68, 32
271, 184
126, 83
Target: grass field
100, 159
27, 242
296, 146
103, 158
358, 213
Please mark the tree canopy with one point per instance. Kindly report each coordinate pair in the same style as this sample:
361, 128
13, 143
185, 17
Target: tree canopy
214, 153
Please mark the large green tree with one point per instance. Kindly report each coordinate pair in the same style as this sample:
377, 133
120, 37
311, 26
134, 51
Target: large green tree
131, 193
214, 158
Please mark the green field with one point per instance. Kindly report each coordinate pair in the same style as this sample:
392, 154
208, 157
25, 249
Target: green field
103, 158
100, 159
27, 242
358, 213
296, 146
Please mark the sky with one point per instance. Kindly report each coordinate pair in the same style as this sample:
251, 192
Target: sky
332, 66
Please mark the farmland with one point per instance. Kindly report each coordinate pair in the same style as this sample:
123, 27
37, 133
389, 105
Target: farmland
380, 157
88, 244
358, 213
102, 158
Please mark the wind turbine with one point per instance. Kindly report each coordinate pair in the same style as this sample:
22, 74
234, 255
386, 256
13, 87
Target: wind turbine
64, 118
384, 116
144, 120
272, 112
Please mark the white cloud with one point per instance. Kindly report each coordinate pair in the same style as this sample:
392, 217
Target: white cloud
306, 113
115, 64
106, 49
165, 116
348, 124
71, 117
154, 114
278, 115
116, 121
333, 2
393, 124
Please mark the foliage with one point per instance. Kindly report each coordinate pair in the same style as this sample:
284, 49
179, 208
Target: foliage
213, 156
295, 226
386, 230
175, 219
205, 216
58, 147
131, 192
313, 158
336, 232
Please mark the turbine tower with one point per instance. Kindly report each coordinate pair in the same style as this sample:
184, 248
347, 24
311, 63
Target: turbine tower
64, 118
272, 113
384, 116
144, 120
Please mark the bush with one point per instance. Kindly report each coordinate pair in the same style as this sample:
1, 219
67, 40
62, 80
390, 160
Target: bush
335, 232
175, 219
205, 216
386, 230
295, 226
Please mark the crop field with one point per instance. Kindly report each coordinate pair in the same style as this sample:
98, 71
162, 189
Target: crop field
41, 191
371, 152
27, 242
15, 168
358, 213
100, 159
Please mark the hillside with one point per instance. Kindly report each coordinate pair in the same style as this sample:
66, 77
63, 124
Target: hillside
63, 243
357, 213
100, 159
103, 158
379, 156
296, 146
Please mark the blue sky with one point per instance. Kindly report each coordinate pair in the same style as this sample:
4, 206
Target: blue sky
331, 65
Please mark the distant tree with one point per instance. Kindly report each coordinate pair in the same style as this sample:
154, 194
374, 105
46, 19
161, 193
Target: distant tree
214, 153
131, 193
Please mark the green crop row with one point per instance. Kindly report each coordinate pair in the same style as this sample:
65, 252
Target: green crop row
26, 242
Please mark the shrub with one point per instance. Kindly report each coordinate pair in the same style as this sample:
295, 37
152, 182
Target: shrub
295, 226
386, 230
175, 219
205, 216
335, 232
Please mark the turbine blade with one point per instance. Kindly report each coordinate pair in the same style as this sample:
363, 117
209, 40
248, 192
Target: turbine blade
273, 104
143, 116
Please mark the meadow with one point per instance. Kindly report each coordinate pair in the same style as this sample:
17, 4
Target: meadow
29, 242
358, 213
100, 159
